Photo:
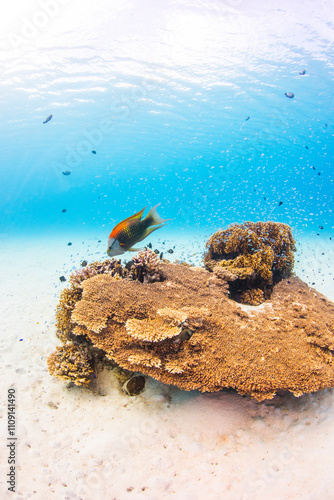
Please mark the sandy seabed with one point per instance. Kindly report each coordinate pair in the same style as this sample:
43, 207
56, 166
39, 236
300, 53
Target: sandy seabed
165, 443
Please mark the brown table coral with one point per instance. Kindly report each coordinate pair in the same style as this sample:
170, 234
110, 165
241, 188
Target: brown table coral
186, 331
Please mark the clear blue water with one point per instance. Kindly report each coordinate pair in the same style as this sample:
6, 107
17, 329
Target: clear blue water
162, 90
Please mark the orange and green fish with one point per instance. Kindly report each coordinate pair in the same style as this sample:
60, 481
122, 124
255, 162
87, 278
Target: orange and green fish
132, 230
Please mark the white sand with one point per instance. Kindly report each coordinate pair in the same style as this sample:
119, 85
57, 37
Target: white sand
164, 443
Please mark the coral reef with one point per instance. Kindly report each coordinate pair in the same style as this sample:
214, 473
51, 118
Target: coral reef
112, 267
186, 331
252, 297
150, 330
67, 301
145, 267
73, 363
253, 256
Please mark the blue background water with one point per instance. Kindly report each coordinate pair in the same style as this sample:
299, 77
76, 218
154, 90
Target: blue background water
162, 90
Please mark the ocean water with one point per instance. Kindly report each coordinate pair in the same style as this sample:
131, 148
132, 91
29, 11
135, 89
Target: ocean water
184, 103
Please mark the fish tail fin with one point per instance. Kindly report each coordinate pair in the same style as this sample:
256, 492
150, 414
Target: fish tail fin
153, 218
150, 230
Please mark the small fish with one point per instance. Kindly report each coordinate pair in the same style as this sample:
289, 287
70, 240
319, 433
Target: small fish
246, 119
67, 172
280, 203
320, 227
306, 147
64, 210
48, 119
302, 72
94, 152
132, 230
290, 95
62, 279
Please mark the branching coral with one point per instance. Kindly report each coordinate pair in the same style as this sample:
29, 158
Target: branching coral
145, 267
68, 298
258, 254
173, 367
150, 330
191, 317
72, 362
111, 267
107, 293
94, 319
252, 297
145, 359
173, 316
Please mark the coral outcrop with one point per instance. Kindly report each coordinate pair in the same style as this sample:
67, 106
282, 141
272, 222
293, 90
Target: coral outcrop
145, 267
73, 363
186, 331
254, 256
